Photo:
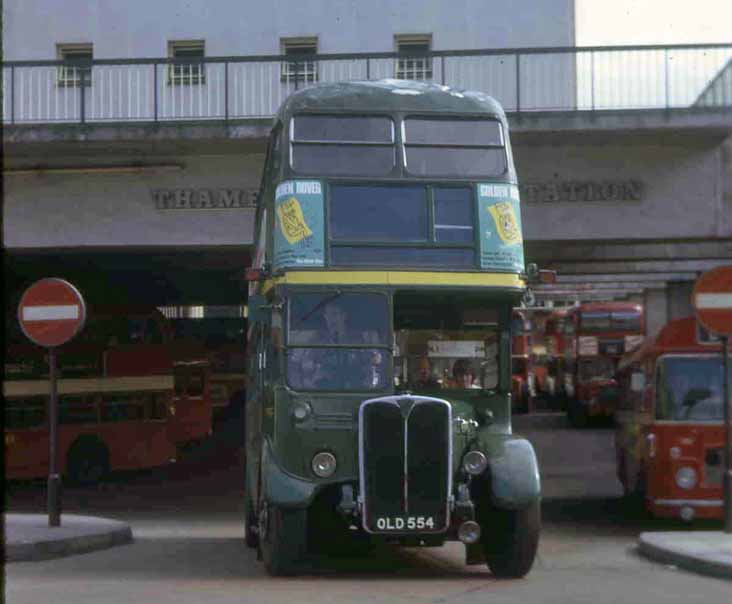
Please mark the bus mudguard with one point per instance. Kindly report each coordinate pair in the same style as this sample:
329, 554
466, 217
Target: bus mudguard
279, 487
513, 472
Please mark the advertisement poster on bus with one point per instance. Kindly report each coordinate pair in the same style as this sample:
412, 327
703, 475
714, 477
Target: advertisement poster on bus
299, 225
499, 212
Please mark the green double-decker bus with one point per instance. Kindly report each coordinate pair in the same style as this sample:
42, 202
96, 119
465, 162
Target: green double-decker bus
389, 256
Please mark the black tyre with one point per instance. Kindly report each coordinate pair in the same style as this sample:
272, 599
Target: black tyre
87, 462
510, 540
283, 540
251, 538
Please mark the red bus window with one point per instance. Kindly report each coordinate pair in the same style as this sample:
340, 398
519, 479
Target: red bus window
76, 410
27, 413
122, 408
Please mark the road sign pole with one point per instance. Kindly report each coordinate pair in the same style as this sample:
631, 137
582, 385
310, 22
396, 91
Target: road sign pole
54, 480
727, 482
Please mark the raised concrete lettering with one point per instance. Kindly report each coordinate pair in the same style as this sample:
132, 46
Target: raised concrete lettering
204, 199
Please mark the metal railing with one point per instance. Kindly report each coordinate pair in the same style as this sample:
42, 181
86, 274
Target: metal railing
234, 88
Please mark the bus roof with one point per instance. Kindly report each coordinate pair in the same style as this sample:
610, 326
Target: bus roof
679, 335
388, 96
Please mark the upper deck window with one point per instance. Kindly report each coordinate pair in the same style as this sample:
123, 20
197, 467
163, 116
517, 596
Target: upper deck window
617, 320
626, 320
342, 145
454, 147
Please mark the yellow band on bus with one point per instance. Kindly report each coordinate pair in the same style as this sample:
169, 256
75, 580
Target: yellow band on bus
397, 278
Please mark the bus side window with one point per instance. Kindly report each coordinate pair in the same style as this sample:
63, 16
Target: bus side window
122, 408
77, 410
25, 413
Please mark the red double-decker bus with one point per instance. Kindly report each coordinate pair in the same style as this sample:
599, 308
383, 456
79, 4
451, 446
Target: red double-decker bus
669, 423
596, 335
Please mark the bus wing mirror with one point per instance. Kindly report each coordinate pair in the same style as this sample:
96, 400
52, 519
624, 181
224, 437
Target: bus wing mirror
637, 382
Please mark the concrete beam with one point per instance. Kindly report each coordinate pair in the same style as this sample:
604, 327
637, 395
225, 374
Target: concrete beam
709, 124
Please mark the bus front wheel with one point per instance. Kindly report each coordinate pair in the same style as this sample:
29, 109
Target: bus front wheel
511, 539
87, 461
282, 539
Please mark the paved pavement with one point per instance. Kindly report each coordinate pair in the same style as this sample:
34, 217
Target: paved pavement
28, 536
706, 552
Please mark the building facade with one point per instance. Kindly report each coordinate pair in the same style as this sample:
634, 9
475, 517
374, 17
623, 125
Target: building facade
135, 135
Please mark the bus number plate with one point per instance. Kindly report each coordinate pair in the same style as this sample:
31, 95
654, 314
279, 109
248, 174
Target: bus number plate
405, 523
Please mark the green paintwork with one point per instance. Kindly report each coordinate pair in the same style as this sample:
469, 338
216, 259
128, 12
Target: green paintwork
279, 487
513, 469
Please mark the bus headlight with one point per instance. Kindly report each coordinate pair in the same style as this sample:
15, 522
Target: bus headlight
301, 411
323, 464
475, 462
686, 478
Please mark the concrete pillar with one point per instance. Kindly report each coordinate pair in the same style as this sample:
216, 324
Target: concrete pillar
656, 309
678, 295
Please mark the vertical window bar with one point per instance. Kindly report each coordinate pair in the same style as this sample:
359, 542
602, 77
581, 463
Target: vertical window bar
129, 91
200, 92
119, 93
226, 90
12, 94
155, 92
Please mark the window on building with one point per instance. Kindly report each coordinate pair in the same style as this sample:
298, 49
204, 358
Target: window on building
416, 64
299, 66
188, 68
78, 70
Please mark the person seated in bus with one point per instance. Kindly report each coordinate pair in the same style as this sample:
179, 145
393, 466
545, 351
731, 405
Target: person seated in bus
463, 375
424, 377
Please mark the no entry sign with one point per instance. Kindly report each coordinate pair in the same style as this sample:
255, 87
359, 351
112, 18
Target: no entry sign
51, 312
712, 300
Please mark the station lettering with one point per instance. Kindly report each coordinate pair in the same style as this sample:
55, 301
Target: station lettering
581, 191
204, 199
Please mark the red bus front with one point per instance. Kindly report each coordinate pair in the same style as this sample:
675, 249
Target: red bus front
685, 457
598, 335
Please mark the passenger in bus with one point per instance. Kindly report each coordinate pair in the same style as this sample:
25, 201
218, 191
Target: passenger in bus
425, 377
463, 375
